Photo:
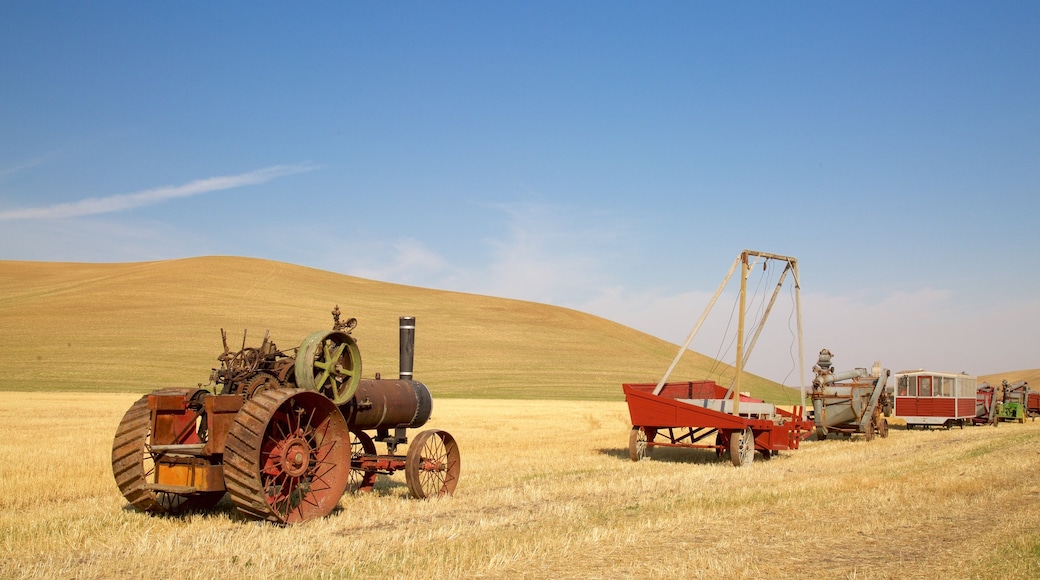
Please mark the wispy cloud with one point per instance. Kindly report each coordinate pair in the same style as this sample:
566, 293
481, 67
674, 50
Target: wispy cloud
404, 261
5, 171
125, 201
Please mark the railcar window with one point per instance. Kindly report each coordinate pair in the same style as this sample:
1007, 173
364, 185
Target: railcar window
947, 386
903, 382
924, 386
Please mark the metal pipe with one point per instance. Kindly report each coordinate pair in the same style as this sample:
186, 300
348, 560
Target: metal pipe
407, 347
826, 378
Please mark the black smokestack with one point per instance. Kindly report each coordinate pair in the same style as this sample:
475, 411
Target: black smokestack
407, 353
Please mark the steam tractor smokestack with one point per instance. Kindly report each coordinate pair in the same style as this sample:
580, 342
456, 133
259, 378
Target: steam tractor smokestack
407, 351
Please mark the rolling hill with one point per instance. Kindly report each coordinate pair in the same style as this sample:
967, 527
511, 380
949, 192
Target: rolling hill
1031, 376
135, 327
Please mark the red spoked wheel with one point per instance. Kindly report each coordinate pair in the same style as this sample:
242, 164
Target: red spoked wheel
287, 456
432, 465
361, 480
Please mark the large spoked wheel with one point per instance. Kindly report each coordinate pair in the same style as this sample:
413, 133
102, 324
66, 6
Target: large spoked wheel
329, 362
883, 428
637, 443
361, 480
134, 467
287, 456
432, 464
742, 447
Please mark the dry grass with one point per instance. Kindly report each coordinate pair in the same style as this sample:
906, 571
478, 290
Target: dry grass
138, 327
1031, 376
547, 491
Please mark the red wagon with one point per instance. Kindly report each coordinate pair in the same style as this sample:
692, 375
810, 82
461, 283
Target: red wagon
699, 415
704, 414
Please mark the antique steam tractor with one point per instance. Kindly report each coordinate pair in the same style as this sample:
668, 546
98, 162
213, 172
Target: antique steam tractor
282, 433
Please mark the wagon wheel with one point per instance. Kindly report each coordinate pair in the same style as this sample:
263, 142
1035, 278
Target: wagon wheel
883, 428
742, 447
869, 433
133, 467
329, 362
637, 443
432, 464
286, 457
361, 480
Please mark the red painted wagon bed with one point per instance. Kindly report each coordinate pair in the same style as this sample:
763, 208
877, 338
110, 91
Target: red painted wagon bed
689, 414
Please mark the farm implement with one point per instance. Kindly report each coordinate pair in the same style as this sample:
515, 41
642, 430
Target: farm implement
283, 433
704, 414
1017, 402
1006, 403
701, 415
849, 402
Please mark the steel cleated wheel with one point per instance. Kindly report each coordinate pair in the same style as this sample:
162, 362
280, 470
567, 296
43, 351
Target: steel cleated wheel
432, 464
134, 468
742, 447
287, 456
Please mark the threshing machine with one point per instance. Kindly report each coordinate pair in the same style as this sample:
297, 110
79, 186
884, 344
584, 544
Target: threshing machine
283, 433
1018, 402
987, 403
850, 401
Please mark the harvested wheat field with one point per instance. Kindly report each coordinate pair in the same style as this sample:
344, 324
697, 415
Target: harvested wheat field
547, 491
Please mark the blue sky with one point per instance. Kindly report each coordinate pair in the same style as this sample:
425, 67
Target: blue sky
604, 156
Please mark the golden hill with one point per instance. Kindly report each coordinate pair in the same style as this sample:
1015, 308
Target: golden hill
140, 326
1032, 376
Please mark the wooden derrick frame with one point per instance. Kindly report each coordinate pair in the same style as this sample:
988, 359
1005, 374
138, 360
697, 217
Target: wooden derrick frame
657, 409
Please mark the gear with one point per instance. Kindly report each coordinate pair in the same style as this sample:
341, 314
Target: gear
259, 383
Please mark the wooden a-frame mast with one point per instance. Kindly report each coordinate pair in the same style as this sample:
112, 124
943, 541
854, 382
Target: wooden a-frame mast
742, 357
